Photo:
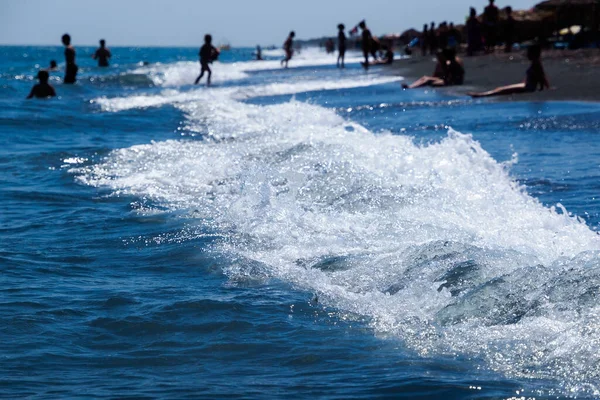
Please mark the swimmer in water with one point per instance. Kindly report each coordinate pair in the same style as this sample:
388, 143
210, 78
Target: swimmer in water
208, 53
71, 68
42, 89
102, 54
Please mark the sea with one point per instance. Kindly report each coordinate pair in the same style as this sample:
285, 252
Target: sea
300, 233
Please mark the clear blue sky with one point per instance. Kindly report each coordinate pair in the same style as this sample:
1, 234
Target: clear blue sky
240, 22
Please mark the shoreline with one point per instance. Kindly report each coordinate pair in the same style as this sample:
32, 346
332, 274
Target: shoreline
573, 75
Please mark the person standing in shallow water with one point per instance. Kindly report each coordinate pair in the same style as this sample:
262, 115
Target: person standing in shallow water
42, 89
288, 47
71, 68
208, 54
341, 46
258, 53
102, 54
368, 44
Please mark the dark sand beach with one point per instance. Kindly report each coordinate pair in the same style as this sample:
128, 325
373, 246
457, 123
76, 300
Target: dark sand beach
573, 75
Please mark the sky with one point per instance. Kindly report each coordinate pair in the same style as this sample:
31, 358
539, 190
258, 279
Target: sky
238, 22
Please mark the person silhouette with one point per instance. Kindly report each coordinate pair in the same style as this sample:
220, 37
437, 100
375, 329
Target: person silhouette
341, 46
449, 71
368, 44
424, 42
42, 89
288, 48
53, 66
491, 16
509, 30
102, 54
258, 53
433, 39
535, 77
473, 28
71, 68
208, 53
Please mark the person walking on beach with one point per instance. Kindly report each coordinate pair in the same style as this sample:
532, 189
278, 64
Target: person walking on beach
288, 48
443, 35
535, 77
433, 40
473, 33
491, 16
433, 44
102, 54
71, 68
42, 89
424, 40
341, 46
368, 44
208, 53
509, 30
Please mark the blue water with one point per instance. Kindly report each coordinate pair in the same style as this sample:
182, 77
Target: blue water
300, 233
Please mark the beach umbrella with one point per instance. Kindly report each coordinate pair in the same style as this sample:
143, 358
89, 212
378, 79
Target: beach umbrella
554, 4
410, 33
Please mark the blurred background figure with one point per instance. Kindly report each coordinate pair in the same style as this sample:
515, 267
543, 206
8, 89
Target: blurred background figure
341, 46
102, 54
491, 16
71, 68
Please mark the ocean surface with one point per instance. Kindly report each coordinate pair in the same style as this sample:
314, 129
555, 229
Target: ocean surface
305, 233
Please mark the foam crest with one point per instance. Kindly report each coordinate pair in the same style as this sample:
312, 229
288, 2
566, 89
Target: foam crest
184, 73
306, 57
434, 243
172, 96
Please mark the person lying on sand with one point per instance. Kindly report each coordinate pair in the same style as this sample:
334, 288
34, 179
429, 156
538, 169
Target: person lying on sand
42, 89
534, 77
448, 71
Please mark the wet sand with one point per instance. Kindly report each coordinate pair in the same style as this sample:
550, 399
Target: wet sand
573, 75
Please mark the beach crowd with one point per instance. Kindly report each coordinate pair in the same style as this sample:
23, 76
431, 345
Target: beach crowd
493, 30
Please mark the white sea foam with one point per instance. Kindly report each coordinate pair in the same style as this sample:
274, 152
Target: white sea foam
184, 73
172, 96
434, 243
